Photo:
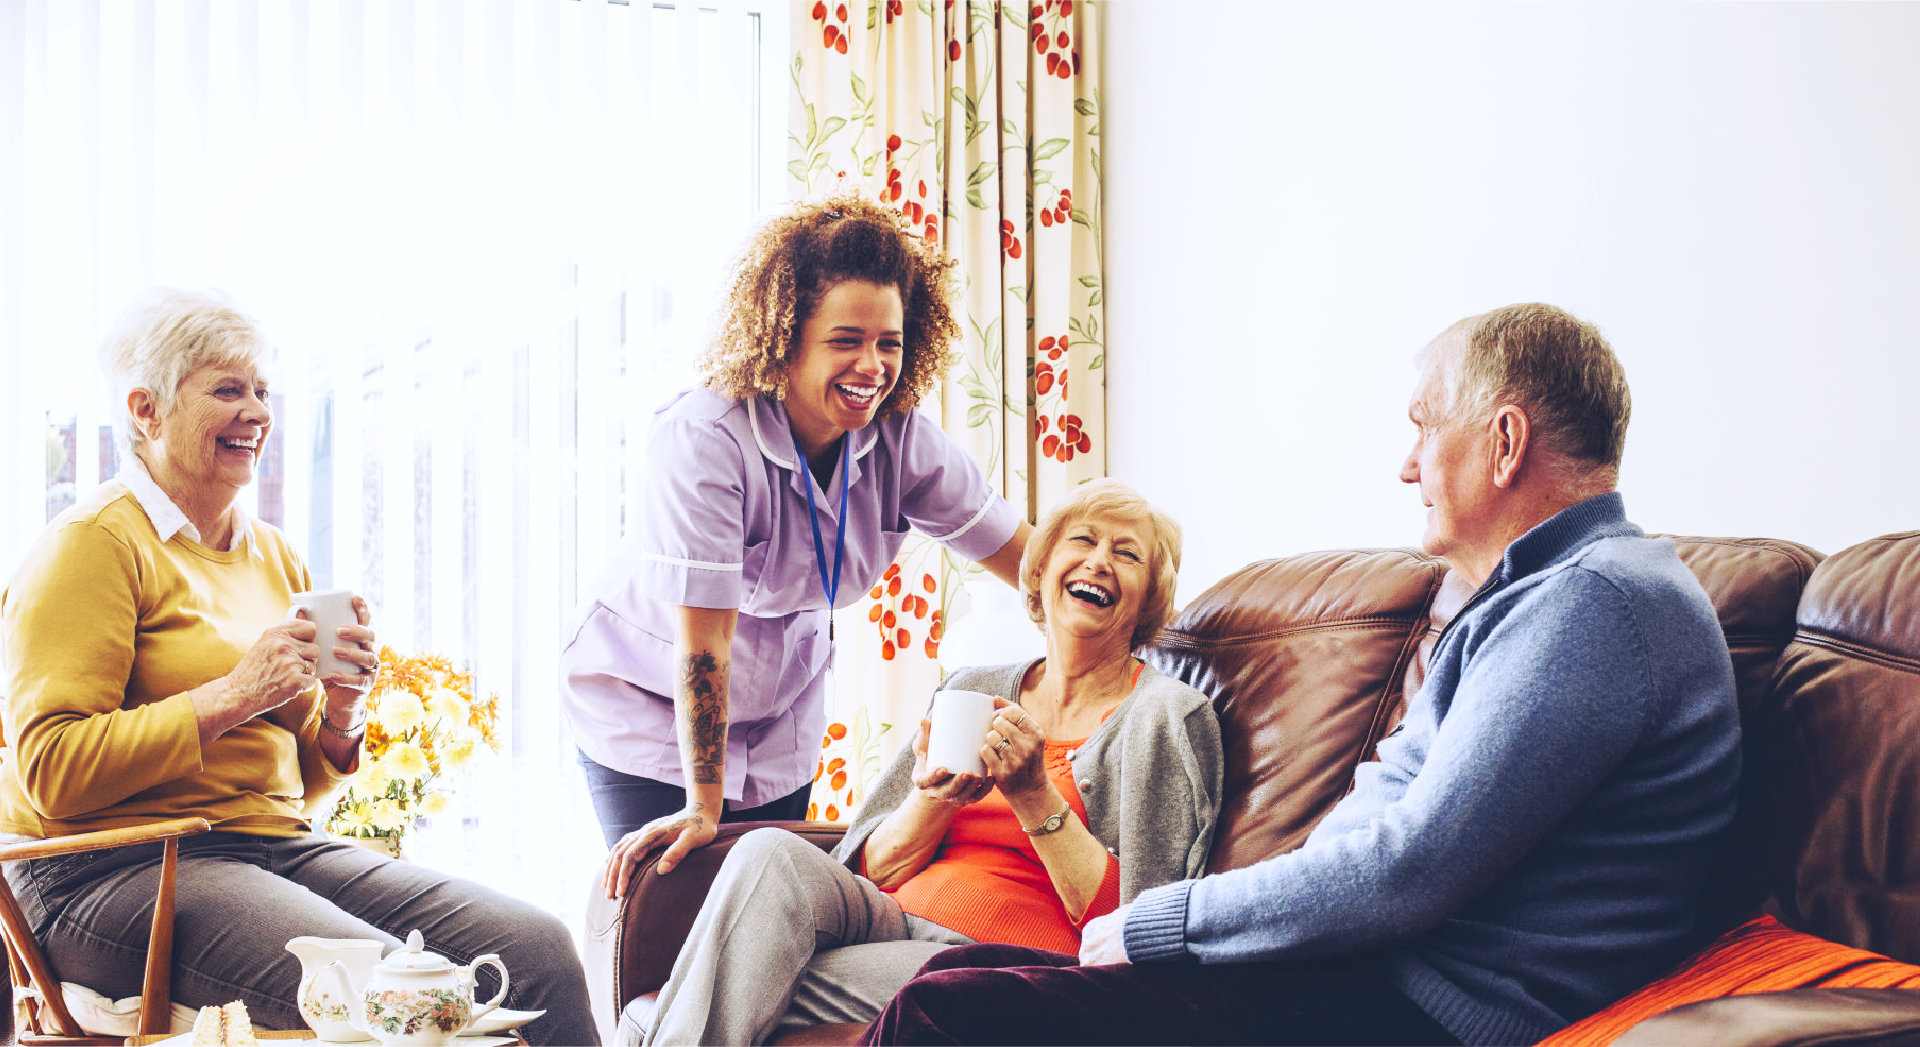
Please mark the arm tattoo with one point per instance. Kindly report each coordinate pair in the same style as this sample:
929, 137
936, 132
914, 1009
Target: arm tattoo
703, 692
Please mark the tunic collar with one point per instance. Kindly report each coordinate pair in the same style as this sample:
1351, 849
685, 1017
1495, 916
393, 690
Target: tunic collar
773, 432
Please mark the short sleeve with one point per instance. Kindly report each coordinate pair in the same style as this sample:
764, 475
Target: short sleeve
947, 499
691, 545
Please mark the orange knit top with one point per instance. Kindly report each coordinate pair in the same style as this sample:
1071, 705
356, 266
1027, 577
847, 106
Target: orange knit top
987, 881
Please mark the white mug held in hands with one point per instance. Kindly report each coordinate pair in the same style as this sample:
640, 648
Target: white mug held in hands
961, 720
329, 609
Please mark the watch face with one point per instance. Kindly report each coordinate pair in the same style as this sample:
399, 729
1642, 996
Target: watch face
1052, 823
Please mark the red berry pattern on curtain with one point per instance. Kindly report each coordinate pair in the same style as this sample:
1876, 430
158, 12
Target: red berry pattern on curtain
980, 121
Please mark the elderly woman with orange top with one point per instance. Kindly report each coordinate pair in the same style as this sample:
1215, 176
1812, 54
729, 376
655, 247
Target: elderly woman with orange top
152, 672
1051, 837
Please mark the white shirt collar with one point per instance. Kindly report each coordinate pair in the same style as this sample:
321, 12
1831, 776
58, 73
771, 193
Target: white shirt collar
168, 520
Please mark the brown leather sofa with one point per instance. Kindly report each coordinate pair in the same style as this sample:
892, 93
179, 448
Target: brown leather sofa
1310, 658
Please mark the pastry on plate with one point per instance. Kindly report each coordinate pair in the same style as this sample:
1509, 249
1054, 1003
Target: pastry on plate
223, 1027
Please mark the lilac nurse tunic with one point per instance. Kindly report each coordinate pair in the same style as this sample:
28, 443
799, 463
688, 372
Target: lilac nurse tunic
723, 524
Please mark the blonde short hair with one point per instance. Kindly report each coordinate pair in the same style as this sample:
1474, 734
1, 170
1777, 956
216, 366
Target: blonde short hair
164, 338
1109, 498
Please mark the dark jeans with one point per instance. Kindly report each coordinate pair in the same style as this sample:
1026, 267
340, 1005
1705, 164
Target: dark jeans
239, 898
991, 994
625, 802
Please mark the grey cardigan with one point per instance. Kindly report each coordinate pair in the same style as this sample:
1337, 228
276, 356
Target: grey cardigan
1149, 777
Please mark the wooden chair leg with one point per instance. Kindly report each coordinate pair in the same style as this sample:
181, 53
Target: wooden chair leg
6, 1009
156, 993
37, 970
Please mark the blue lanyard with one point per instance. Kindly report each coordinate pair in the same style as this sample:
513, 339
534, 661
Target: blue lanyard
813, 520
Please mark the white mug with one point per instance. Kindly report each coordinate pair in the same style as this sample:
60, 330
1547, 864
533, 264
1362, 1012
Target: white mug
329, 609
961, 720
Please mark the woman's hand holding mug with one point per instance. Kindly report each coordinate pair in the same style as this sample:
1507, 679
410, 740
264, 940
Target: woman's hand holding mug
937, 785
1015, 750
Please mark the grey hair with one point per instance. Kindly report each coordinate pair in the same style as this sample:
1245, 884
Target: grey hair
1109, 498
164, 338
1556, 367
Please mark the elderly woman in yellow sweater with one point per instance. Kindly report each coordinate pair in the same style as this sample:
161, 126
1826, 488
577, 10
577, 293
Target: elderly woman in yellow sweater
153, 672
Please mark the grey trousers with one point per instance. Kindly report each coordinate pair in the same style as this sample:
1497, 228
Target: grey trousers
239, 898
789, 937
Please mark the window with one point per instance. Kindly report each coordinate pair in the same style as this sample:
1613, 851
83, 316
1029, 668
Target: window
486, 240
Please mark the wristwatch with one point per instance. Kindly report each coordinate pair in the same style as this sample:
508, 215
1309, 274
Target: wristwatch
351, 731
1051, 825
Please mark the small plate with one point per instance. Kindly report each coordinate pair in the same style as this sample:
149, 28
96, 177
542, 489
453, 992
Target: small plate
499, 1020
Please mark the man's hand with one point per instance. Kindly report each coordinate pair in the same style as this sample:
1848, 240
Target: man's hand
680, 832
1103, 939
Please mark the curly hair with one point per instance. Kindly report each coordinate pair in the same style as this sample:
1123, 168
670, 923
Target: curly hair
794, 260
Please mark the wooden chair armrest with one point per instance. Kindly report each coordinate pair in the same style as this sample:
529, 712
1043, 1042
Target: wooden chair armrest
105, 839
156, 985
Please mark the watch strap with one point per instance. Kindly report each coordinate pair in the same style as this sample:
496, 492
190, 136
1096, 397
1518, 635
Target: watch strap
351, 731
1052, 824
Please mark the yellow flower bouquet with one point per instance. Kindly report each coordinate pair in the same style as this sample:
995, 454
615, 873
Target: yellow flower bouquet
424, 723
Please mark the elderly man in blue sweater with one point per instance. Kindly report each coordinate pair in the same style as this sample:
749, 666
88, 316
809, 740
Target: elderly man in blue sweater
1532, 841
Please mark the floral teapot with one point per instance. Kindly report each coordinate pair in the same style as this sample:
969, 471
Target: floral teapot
414, 997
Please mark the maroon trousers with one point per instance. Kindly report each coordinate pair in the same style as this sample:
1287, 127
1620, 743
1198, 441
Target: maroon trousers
1006, 994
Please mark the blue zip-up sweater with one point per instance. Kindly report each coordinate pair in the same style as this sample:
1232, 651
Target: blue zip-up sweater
1532, 841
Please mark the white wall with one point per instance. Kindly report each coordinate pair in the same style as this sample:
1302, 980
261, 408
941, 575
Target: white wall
1299, 196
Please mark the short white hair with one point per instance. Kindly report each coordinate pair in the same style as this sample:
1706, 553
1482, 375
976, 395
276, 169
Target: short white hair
165, 337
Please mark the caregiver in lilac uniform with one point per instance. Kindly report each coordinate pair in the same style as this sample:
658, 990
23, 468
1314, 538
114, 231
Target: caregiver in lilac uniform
695, 673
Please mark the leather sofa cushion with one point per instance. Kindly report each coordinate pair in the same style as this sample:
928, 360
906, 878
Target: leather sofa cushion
1304, 658
1759, 956
1310, 660
1843, 769
1755, 585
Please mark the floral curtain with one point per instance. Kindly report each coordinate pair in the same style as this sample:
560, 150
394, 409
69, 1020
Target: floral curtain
981, 122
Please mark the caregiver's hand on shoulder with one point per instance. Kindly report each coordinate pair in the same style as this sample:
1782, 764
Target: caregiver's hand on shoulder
680, 832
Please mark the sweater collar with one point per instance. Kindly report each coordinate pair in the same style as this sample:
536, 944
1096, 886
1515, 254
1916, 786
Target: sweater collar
1565, 533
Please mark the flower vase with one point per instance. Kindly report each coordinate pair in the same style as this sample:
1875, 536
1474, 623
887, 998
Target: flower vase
387, 844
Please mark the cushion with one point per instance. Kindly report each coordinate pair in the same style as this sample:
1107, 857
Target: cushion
103, 1017
1761, 955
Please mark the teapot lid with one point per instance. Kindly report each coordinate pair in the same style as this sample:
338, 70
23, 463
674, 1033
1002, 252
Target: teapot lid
414, 956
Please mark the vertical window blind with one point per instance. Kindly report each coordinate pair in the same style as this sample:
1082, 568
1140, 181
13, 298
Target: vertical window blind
485, 237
